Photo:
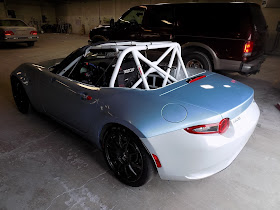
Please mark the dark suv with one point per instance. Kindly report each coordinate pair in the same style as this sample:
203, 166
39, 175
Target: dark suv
213, 36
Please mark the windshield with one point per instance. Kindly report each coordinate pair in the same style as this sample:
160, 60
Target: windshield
12, 23
134, 15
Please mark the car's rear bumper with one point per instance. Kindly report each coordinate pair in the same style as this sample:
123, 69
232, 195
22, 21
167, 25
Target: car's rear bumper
19, 39
194, 156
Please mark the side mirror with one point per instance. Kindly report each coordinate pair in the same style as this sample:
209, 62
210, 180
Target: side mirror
112, 22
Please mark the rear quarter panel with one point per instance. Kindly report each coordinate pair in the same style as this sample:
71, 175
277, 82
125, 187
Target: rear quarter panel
141, 112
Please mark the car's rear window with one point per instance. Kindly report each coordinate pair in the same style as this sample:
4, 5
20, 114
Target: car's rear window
12, 23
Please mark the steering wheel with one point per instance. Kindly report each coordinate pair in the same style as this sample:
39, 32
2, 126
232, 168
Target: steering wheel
87, 72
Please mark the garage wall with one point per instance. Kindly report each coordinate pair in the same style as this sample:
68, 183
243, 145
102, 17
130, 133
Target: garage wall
272, 16
48, 10
85, 15
31, 11
2, 10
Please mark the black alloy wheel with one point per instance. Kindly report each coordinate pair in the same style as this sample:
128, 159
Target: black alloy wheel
20, 96
127, 157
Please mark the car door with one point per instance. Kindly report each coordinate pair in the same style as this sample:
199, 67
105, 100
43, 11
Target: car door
69, 101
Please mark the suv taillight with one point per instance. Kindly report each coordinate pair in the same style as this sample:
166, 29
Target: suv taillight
220, 128
9, 33
248, 48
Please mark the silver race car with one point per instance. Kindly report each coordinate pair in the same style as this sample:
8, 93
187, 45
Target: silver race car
143, 110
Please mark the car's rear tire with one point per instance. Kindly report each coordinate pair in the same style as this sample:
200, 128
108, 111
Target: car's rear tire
20, 96
30, 44
127, 157
197, 59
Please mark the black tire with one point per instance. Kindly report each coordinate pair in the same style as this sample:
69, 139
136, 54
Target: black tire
127, 157
20, 96
30, 44
196, 60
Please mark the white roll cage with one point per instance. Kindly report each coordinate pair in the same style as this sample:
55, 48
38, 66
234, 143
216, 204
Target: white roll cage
123, 48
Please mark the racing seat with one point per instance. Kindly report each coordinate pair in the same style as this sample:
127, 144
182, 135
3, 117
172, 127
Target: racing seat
128, 75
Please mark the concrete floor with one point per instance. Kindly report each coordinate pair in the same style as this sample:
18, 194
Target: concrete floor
45, 166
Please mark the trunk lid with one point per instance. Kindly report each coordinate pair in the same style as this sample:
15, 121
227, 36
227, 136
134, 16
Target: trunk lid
215, 92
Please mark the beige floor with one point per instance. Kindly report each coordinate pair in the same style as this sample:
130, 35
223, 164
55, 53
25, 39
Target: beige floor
45, 166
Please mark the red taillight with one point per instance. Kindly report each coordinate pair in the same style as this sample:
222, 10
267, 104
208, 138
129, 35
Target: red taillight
9, 33
220, 127
157, 161
223, 125
33, 32
248, 48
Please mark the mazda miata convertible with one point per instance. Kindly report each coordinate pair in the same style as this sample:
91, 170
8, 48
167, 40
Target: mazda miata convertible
139, 104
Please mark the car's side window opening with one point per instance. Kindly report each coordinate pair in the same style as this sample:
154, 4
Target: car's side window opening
131, 66
93, 70
97, 70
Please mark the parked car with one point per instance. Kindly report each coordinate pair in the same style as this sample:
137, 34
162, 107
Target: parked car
14, 30
214, 36
143, 114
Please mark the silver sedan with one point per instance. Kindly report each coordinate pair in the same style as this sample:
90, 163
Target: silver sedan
15, 30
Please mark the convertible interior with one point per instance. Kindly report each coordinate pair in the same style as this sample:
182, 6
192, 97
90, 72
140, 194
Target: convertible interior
126, 64
96, 69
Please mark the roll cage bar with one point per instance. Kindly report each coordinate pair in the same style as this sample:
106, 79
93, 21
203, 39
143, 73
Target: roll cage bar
124, 48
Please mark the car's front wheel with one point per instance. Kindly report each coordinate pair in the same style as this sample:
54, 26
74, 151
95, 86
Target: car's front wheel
20, 96
127, 157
